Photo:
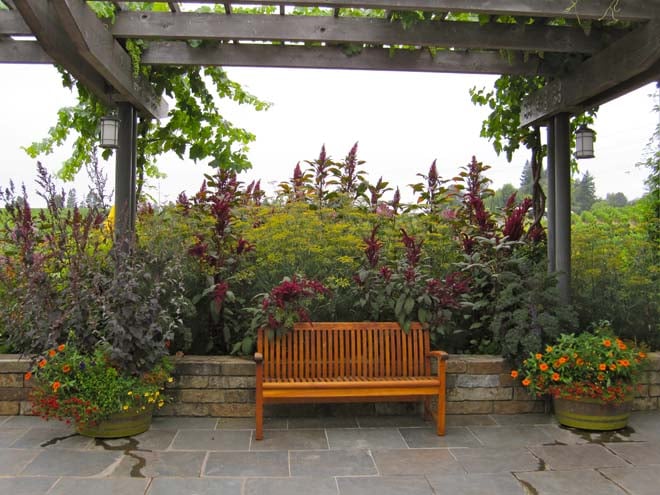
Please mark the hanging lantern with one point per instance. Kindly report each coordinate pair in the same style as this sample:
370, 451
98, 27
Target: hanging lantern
109, 132
584, 142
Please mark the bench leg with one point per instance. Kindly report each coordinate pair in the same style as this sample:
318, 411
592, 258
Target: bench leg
259, 413
440, 419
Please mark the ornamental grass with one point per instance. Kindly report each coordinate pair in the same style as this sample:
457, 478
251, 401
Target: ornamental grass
596, 365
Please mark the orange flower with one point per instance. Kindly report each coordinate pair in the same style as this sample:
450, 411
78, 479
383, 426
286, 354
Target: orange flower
600, 377
621, 345
607, 343
56, 385
543, 367
642, 355
28, 375
52, 352
538, 356
579, 361
61, 347
555, 377
612, 367
526, 382
66, 368
514, 374
563, 359
548, 349
42, 363
624, 362
602, 366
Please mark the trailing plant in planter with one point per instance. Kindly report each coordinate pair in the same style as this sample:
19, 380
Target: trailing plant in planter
596, 365
85, 389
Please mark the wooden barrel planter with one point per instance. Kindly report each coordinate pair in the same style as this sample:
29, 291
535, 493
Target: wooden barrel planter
119, 425
592, 414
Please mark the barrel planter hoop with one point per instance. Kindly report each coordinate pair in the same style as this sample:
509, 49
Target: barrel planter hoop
592, 414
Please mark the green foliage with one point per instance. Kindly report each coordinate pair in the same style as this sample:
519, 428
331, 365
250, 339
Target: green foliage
615, 270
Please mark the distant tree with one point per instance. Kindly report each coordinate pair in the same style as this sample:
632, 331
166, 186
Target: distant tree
498, 200
526, 180
71, 200
584, 193
616, 199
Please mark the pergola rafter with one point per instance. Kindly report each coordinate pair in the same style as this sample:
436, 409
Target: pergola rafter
589, 51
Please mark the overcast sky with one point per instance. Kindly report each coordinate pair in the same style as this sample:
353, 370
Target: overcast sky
403, 121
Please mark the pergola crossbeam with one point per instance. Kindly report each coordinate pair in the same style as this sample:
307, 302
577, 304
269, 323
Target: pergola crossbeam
331, 57
629, 62
41, 17
97, 46
628, 10
23, 52
166, 26
12, 24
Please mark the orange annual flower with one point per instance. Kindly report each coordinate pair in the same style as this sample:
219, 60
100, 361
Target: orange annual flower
600, 377
514, 374
543, 367
548, 349
56, 386
607, 343
612, 367
526, 382
621, 345
624, 362
555, 377
42, 363
538, 356
66, 368
563, 359
602, 366
579, 361
28, 375
52, 352
61, 347
642, 355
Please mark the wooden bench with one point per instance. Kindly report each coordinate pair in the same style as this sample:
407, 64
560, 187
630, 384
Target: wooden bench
349, 362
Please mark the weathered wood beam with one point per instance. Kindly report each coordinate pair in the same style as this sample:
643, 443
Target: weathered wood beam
22, 52
628, 10
162, 25
97, 46
331, 57
41, 17
12, 24
596, 80
174, 6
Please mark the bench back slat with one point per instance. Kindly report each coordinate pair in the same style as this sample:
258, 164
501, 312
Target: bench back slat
356, 350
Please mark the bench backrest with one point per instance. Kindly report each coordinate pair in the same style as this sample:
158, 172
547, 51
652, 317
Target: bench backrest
357, 350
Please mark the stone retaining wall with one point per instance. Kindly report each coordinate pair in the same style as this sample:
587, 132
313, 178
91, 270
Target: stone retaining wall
224, 386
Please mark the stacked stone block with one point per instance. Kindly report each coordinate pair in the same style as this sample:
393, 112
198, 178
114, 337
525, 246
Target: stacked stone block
223, 386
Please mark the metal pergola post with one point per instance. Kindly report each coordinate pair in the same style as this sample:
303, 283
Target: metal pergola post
551, 203
125, 201
562, 160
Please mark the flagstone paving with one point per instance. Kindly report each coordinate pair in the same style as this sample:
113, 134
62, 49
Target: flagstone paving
480, 455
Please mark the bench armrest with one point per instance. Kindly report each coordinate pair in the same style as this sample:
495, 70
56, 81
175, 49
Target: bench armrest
258, 357
441, 355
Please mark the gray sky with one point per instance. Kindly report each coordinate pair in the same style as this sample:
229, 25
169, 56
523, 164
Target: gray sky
403, 121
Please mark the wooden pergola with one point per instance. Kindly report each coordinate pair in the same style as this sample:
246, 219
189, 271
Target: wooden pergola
590, 51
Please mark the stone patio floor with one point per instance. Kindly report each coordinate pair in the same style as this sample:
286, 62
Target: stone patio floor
480, 455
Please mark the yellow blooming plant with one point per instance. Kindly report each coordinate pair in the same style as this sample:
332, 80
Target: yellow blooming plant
597, 365
83, 389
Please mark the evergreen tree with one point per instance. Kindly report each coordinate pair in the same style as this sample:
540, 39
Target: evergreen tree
616, 199
71, 200
526, 180
584, 193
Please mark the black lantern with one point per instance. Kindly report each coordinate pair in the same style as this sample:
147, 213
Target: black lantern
584, 142
109, 132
